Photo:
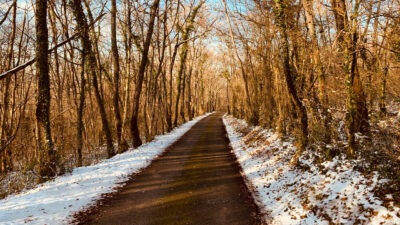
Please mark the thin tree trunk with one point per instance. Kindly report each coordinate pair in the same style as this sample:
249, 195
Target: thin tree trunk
357, 112
183, 86
382, 100
183, 55
189, 94
136, 141
128, 55
52, 20
90, 67
161, 62
116, 83
169, 119
243, 72
6, 160
81, 107
323, 97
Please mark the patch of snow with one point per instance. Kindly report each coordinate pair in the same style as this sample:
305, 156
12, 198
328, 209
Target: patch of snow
54, 202
333, 192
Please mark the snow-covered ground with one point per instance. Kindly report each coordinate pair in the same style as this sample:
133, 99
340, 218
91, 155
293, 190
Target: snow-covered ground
332, 193
54, 202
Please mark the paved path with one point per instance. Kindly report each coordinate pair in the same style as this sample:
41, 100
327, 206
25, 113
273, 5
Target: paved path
195, 182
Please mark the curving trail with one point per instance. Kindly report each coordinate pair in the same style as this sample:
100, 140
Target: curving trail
196, 181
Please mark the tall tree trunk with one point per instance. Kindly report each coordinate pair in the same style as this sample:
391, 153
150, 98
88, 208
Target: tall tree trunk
81, 107
284, 44
243, 72
115, 57
183, 86
351, 79
323, 97
128, 59
5, 157
382, 99
169, 119
160, 70
52, 19
90, 67
189, 94
183, 56
357, 112
136, 141
46, 152
340, 13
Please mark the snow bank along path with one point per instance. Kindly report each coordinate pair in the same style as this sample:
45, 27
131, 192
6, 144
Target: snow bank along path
332, 193
54, 202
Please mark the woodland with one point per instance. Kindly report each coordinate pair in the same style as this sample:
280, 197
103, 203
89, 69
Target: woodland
84, 80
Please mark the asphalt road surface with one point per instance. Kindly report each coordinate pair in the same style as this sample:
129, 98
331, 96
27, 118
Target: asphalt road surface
197, 181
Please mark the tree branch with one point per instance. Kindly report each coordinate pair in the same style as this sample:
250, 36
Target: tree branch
32, 61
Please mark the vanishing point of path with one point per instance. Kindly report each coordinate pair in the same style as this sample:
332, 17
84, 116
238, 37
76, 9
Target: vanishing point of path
195, 182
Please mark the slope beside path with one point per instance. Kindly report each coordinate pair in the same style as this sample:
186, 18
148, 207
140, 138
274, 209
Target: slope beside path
310, 192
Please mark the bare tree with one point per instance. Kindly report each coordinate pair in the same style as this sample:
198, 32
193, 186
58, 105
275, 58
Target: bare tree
183, 56
114, 49
91, 69
46, 153
139, 83
284, 43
